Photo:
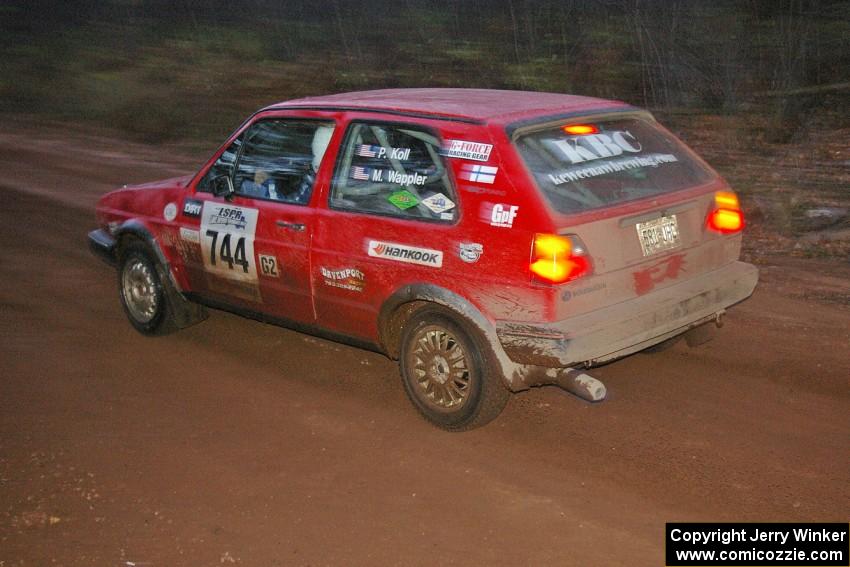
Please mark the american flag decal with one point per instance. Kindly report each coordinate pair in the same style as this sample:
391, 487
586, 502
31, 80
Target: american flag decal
365, 150
361, 173
479, 173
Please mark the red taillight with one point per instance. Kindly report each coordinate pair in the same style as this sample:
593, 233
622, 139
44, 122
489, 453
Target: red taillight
580, 129
726, 217
558, 259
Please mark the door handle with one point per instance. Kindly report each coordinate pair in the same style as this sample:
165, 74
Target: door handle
296, 226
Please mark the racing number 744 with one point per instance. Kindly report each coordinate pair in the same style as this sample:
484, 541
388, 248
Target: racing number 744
238, 256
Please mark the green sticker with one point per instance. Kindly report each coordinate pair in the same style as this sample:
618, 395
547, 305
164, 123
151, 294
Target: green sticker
403, 199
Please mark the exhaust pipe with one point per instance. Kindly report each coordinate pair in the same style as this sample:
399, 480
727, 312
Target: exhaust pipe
582, 385
573, 381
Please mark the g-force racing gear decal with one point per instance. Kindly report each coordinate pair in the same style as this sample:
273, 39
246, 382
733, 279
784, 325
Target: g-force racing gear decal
467, 150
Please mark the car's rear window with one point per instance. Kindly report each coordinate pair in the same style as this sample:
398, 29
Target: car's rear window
613, 162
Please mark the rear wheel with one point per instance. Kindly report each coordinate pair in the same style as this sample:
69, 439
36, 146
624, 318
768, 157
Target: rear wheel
447, 374
142, 291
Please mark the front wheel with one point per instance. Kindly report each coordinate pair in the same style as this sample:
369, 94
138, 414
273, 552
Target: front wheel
142, 293
447, 373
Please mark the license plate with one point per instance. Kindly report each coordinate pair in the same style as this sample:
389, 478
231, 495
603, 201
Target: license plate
658, 234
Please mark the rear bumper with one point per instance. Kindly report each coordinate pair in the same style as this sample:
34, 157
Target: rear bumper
630, 326
102, 245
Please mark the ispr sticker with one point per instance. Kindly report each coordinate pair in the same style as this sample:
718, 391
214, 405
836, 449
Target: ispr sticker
227, 241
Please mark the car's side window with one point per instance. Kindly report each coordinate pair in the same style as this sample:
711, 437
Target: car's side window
280, 159
222, 166
396, 170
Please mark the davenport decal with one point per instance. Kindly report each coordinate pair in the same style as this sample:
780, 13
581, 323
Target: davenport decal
351, 279
407, 254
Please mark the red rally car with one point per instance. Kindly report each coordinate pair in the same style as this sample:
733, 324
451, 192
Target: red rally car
488, 240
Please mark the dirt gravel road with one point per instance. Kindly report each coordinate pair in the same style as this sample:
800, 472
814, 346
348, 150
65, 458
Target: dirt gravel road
235, 442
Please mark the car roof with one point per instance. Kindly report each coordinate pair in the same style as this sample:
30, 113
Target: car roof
470, 105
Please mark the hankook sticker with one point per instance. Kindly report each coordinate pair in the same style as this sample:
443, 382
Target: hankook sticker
407, 254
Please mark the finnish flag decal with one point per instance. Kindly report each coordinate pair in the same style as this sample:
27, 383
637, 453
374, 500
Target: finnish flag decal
479, 173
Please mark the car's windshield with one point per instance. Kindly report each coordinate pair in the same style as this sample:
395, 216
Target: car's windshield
603, 163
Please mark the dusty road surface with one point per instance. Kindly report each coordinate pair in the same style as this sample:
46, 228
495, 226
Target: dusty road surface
235, 442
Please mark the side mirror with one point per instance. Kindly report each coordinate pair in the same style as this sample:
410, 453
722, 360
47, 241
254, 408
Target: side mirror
222, 186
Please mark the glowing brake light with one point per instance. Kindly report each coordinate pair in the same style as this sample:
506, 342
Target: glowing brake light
580, 129
558, 259
726, 217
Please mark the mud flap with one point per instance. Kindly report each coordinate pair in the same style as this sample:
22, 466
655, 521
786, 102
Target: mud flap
185, 313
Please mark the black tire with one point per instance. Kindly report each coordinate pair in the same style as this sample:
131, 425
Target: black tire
142, 292
456, 392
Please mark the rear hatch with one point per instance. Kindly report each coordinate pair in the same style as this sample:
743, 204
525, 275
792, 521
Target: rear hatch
634, 197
